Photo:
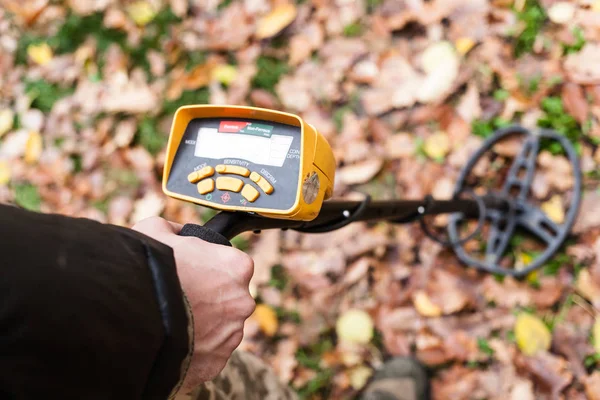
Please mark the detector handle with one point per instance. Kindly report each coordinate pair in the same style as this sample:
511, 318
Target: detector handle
205, 233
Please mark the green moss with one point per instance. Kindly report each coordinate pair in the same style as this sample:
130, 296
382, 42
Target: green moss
269, 72
354, 29
149, 136
27, 196
533, 18
45, 94
486, 128
579, 42
555, 117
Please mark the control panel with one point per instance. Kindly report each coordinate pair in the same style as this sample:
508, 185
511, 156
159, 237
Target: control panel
248, 159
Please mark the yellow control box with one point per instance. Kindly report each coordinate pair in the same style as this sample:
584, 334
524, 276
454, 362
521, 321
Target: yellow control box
248, 159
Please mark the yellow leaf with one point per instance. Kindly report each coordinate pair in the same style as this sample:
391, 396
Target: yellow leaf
4, 173
40, 53
355, 326
532, 334
275, 21
224, 73
561, 12
596, 335
596, 6
33, 147
141, 12
359, 376
437, 56
6, 120
587, 287
554, 209
425, 306
464, 44
266, 318
437, 145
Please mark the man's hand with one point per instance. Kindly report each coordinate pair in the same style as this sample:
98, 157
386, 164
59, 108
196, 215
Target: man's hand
215, 280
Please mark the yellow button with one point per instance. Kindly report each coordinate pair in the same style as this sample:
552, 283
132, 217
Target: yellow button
233, 169
262, 182
231, 184
206, 186
250, 193
201, 174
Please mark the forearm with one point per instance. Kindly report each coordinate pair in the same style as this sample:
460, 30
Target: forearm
87, 310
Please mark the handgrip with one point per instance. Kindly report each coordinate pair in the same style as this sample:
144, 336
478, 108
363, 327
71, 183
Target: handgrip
204, 233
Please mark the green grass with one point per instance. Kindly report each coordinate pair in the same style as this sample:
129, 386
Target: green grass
579, 42
279, 277
269, 72
310, 357
556, 117
484, 346
486, 128
27, 196
533, 18
149, 136
199, 96
45, 94
353, 29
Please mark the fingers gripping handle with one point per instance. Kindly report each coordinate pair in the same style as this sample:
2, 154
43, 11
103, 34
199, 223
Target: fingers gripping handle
204, 233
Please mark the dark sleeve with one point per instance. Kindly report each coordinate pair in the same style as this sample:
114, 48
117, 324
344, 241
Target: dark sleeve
87, 311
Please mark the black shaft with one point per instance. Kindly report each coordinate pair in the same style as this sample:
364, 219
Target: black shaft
231, 224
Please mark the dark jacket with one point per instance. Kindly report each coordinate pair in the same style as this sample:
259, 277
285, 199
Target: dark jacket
87, 311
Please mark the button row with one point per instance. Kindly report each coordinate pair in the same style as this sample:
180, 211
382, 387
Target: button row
229, 183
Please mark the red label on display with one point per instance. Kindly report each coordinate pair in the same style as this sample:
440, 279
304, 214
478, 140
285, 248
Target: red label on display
232, 126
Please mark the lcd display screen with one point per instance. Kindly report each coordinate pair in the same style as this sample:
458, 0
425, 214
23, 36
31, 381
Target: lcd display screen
248, 141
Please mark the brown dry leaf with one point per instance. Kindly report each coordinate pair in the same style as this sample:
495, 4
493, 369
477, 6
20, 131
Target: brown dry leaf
151, 205
575, 101
277, 20
589, 213
200, 76
551, 371
582, 66
360, 172
266, 318
588, 287
592, 386
469, 107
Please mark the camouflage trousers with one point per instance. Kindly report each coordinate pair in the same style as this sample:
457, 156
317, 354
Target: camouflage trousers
245, 377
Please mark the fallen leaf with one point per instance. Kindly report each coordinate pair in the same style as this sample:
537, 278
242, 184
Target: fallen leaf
437, 145
440, 63
581, 67
359, 376
354, 326
40, 53
141, 12
224, 73
549, 370
7, 117
275, 21
592, 386
360, 172
5, 173
588, 287
532, 334
150, 205
596, 335
34, 147
266, 318
561, 12
469, 107
424, 305
463, 45
554, 209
